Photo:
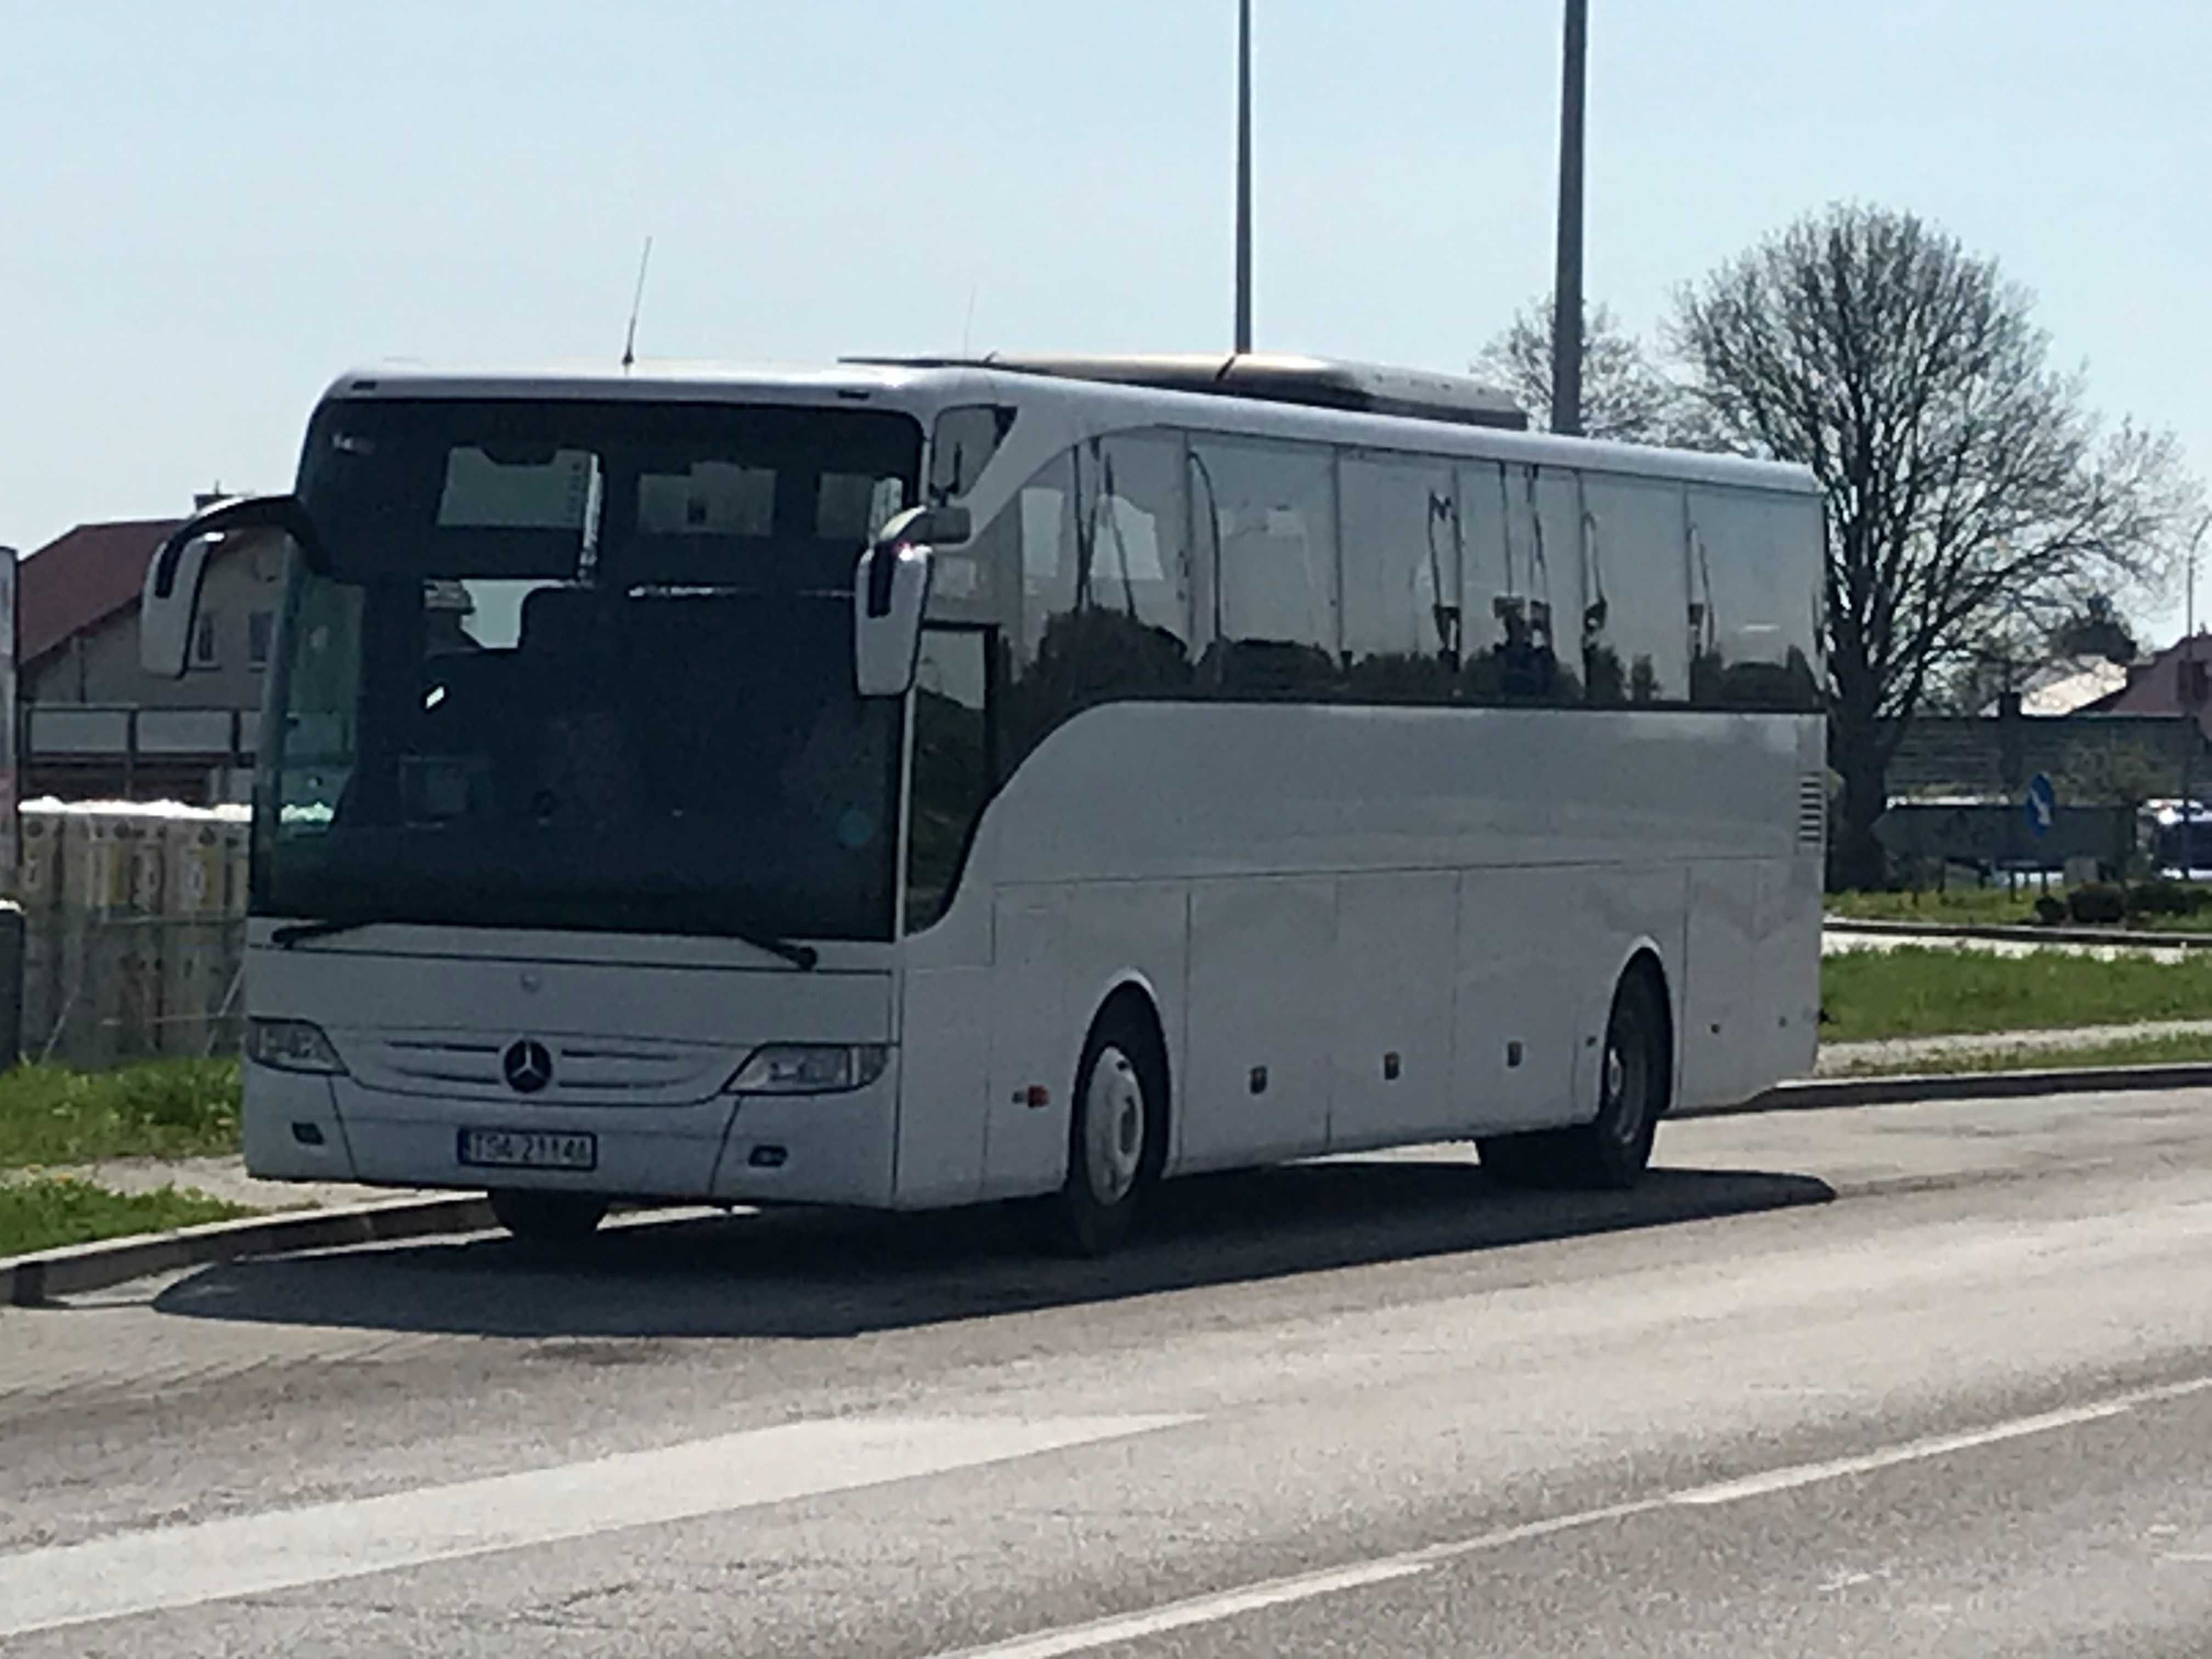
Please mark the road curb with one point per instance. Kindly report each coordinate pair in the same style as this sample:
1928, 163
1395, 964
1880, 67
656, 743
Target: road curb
28, 1280
1821, 1094
2140, 939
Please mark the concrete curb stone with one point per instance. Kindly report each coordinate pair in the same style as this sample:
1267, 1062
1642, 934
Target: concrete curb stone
2140, 939
28, 1280
1902, 1089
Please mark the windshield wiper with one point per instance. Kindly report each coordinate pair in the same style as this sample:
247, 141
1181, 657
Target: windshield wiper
798, 956
286, 937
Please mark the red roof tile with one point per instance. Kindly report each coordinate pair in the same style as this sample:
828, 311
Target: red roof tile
81, 579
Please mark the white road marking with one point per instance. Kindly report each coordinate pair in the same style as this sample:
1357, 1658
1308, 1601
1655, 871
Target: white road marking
1809, 1474
1228, 1604
210, 1561
1203, 1610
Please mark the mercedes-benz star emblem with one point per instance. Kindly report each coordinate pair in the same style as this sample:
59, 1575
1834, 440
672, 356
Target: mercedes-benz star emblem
528, 1065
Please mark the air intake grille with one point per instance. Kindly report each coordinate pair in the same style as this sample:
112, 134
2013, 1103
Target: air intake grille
1812, 811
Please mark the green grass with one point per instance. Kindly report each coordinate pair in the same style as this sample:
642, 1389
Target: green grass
1991, 907
2134, 1051
1984, 905
52, 1115
44, 1214
1923, 991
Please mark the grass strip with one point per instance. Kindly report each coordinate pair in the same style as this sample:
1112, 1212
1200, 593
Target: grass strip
2132, 1051
1929, 990
46, 1213
1989, 907
1985, 905
53, 1115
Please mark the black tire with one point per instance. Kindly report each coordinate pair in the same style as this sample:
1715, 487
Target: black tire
1635, 1081
548, 1218
1116, 1135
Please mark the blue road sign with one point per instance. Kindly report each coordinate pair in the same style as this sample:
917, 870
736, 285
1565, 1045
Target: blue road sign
2041, 805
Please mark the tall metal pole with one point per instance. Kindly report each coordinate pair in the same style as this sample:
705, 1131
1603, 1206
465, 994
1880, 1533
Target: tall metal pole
2185, 675
1567, 283
1244, 175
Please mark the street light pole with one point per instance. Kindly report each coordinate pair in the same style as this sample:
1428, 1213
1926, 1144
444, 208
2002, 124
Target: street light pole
1567, 283
1243, 176
2186, 683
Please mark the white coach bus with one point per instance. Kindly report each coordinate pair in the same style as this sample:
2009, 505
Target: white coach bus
912, 783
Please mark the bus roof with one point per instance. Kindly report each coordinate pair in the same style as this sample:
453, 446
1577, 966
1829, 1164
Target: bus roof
1314, 382
1270, 396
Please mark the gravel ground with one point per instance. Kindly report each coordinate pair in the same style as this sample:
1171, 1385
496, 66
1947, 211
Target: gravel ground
218, 1177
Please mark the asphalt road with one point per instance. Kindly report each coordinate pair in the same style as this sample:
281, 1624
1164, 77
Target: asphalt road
1906, 1380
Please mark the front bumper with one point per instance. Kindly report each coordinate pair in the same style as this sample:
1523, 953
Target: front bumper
799, 1149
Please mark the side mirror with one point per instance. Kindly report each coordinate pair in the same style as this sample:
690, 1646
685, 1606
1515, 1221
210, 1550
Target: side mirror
169, 603
889, 592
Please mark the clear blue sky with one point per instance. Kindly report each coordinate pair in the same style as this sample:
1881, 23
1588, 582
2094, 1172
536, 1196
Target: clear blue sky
207, 210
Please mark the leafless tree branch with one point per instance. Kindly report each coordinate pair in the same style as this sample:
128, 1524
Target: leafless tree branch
1968, 483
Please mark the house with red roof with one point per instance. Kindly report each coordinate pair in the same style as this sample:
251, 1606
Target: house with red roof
95, 724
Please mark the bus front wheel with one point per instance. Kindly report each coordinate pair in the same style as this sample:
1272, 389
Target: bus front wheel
1116, 1134
544, 1218
1634, 1072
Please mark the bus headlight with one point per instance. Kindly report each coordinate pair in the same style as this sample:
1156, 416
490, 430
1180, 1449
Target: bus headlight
809, 1068
291, 1045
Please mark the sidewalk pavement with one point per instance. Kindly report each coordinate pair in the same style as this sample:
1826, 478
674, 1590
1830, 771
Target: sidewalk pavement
1839, 1059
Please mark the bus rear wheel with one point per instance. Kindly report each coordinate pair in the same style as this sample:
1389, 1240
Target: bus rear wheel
544, 1218
1115, 1135
1611, 1151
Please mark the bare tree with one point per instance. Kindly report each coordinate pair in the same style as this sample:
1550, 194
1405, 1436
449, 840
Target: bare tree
2096, 628
2011, 645
1968, 486
1625, 397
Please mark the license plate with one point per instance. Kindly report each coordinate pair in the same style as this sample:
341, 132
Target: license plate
528, 1149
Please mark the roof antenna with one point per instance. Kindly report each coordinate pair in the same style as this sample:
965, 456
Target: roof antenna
636, 303
967, 328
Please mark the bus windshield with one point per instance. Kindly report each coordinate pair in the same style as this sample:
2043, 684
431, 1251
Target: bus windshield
585, 665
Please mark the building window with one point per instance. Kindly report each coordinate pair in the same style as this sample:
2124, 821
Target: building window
258, 628
204, 654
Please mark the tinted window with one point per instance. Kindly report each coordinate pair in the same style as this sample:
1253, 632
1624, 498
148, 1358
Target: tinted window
1402, 604
1636, 646
541, 691
1755, 625
1267, 516
1099, 536
1139, 562
952, 763
1514, 619
682, 494
961, 445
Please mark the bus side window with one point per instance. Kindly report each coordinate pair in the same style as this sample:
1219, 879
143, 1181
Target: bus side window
1402, 604
1754, 643
1267, 513
961, 444
953, 764
1105, 585
1520, 546
1138, 568
1637, 651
